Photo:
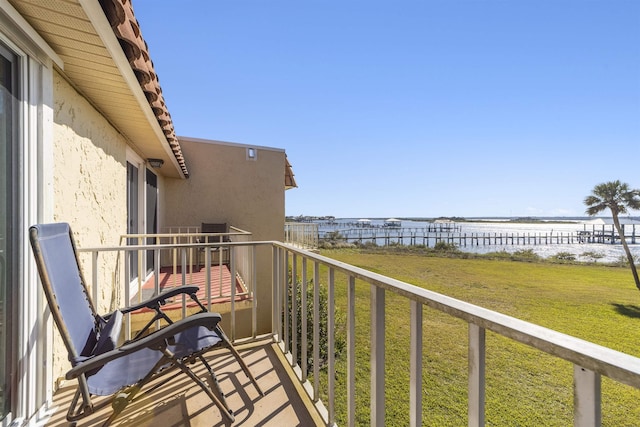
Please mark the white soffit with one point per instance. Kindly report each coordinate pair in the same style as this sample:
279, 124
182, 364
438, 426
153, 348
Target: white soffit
78, 31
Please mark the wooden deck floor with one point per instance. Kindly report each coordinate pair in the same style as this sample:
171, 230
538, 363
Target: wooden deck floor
220, 286
182, 403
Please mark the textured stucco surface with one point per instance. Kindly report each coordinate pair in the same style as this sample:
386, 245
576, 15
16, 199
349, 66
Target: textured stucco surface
89, 188
225, 186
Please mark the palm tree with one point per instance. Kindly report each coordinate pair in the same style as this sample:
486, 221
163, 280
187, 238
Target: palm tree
618, 198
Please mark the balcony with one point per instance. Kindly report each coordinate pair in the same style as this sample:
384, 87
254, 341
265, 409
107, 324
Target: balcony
284, 344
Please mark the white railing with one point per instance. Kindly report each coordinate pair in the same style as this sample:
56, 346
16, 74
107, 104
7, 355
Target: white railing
302, 235
182, 260
590, 361
294, 270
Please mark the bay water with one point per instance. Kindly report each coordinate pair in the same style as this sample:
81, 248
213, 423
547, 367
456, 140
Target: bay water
581, 249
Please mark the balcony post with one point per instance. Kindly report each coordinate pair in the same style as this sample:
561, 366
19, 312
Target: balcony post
415, 391
587, 408
377, 356
476, 375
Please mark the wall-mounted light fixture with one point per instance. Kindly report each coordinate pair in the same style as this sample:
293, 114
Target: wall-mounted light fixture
155, 163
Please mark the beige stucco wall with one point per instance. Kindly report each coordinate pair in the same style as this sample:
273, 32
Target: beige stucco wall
89, 186
90, 174
224, 186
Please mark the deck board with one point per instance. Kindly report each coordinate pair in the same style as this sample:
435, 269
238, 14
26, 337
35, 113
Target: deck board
220, 285
182, 403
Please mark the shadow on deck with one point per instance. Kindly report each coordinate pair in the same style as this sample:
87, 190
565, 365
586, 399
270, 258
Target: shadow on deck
181, 403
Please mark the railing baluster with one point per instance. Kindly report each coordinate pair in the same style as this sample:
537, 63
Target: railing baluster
127, 296
156, 271
377, 356
415, 390
140, 273
286, 303
207, 267
275, 293
294, 309
304, 322
220, 267
232, 265
586, 398
174, 256
331, 345
156, 274
316, 331
351, 352
183, 270
476, 375
254, 293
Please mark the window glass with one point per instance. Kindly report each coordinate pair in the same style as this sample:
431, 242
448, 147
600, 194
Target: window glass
132, 216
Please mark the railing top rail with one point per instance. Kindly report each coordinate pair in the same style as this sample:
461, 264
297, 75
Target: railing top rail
239, 230
230, 233
614, 364
172, 246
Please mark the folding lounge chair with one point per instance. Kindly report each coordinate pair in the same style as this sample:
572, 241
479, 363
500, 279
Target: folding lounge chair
101, 366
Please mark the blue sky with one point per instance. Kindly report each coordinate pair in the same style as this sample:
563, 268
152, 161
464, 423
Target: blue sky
412, 108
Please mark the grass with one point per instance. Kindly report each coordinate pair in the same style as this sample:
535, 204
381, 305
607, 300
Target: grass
525, 387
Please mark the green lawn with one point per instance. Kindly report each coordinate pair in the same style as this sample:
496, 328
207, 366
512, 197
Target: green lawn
525, 387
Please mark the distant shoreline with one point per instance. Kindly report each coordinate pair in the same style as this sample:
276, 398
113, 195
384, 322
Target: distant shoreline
497, 220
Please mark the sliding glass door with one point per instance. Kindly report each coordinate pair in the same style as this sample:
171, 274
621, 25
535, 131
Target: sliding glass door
132, 216
152, 214
142, 216
8, 217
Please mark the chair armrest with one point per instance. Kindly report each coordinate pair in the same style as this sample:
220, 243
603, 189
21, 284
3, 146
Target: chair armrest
162, 298
156, 340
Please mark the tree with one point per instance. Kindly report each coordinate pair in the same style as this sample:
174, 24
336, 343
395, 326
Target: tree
618, 198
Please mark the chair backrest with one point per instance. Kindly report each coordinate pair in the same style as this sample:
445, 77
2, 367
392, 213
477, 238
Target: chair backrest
214, 228
64, 286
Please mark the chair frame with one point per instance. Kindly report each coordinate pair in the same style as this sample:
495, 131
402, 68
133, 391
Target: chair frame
215, 233
82, 404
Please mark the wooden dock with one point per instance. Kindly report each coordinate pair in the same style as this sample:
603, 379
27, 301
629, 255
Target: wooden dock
428, 236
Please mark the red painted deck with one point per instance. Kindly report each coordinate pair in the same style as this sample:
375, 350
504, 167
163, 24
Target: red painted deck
220, 286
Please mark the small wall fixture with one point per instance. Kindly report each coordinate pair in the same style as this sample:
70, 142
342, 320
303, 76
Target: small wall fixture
155, 163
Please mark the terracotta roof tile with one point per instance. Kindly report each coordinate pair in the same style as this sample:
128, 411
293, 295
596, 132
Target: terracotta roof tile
126, 28
289, 180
